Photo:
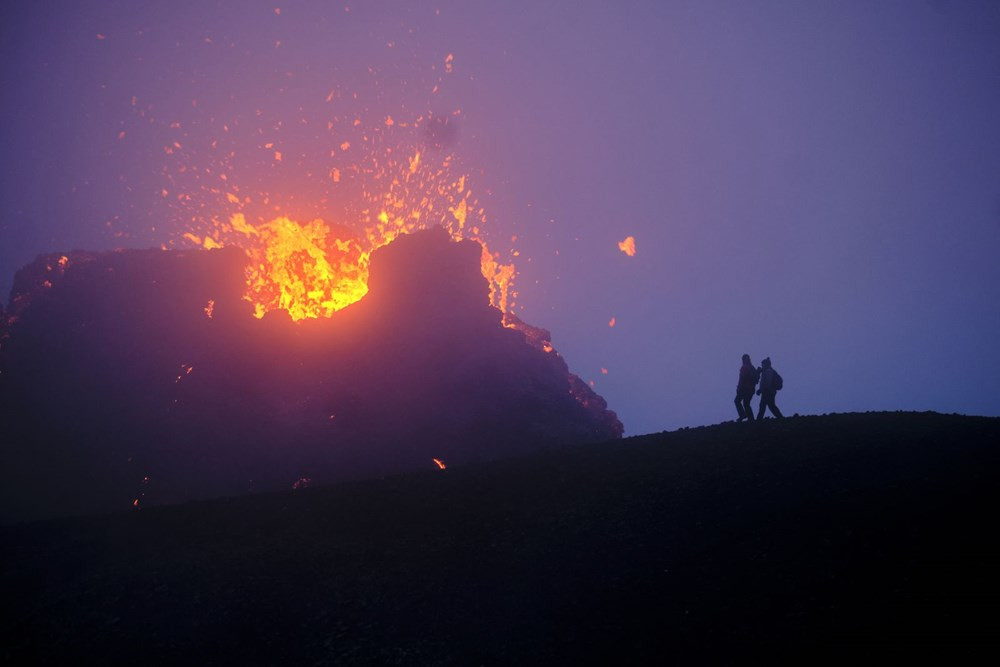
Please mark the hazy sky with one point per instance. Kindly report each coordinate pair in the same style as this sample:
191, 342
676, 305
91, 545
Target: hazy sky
818, 182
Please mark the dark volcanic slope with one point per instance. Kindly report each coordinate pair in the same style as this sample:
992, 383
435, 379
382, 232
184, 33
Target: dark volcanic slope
143, 375
686, 545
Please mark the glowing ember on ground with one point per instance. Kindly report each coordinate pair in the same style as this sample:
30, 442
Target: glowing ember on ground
440, 464
628, 246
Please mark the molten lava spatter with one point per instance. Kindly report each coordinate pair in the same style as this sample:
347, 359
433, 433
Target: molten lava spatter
627, 246
315, 269
309, 190
303, 269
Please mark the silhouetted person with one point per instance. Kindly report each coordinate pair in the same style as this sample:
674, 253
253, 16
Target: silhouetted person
744, 389
770, 383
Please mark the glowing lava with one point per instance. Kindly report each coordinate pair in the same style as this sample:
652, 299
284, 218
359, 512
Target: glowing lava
315, 269
303, 269
628, 246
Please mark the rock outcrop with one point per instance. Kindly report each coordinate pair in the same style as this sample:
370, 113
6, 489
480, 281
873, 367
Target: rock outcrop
141, 376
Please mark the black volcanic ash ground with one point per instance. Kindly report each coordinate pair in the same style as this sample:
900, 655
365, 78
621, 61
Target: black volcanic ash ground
817, 536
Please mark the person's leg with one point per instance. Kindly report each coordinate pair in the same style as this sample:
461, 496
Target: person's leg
763, 404
739, 407
747, 408
773, 406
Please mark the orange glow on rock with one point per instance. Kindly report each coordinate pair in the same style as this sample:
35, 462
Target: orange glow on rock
312, 271
315, 269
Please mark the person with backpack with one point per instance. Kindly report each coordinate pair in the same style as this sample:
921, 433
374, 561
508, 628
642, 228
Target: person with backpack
770, 384
744, 389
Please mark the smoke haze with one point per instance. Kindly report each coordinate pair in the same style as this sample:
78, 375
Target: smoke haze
817, 182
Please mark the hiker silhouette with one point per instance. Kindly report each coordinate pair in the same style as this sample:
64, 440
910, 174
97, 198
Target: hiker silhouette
744, 389
770, 383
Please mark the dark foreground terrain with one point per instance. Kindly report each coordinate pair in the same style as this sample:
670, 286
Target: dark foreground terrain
720, 544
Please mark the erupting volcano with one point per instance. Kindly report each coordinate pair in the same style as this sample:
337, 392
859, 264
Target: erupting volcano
315, 269
139, 377
323, 305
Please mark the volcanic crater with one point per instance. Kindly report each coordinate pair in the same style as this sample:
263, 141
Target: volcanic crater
142, 377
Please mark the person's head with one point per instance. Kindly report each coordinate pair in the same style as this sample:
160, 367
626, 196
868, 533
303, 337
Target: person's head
766, 363
746, 358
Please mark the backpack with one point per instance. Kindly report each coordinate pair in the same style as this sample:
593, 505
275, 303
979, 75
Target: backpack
778, 382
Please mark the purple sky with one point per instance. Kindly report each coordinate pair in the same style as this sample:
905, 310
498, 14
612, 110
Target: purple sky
815, 182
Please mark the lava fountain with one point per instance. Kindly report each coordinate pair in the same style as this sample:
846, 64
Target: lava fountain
314, 269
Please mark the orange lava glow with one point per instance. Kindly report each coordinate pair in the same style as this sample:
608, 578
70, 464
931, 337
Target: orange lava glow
313, 269
628, 246
347, 182
440, 464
